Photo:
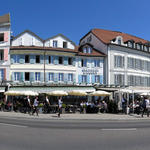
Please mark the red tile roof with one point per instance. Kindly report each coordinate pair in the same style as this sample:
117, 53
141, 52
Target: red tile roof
106, 36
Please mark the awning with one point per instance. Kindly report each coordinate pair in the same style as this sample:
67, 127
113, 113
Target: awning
52, 88
2, 89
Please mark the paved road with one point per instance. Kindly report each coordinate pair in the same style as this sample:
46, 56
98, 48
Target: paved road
27, 134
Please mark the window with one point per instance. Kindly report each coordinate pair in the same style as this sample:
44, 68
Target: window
60, 60
27, 76
1, 55
54, 43
130, 44
70, 61
97, 79
37, 76
84, 63
119, 61
89, 49
16, 58
119, 79
51, 76
84, 79
37, 59
1, 37
49, 59
70, 77
64, 44
89, 38
26, 58
119, 41
84, 49
61, 77
1, 74
146, 48
96, 63
138, 46
17, 76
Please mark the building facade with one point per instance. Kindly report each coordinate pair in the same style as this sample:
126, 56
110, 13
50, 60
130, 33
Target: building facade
4, 47
128, 57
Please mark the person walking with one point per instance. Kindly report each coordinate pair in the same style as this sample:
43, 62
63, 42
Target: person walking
143, 107
28, 105
35, 106
47, 105
59, 106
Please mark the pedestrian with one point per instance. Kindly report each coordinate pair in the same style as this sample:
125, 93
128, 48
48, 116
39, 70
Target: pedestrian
147, 106
28, 105
35, 106
143, 107
47, 105
59, 106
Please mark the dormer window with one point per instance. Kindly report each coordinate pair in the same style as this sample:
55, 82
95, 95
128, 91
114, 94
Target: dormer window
87, 49
146, 48
130, 44
54, 43
138, 46
64, 44
119, 41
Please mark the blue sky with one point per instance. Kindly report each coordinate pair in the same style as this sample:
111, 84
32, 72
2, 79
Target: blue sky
74, 18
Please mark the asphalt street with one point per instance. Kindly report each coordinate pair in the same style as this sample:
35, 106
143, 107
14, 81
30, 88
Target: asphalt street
38, 134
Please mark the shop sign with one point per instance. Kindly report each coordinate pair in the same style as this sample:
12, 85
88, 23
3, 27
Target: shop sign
90, 71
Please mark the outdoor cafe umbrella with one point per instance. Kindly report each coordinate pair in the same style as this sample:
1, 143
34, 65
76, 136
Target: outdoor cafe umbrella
145, 94
13, 93
77, 93
57, 93
99, 93
30, 93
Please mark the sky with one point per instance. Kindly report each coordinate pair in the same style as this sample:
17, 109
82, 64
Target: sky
75, 18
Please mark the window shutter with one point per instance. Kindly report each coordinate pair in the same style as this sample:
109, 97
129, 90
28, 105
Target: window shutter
32, 59
79, 78
56, 60
74, 61
65, 61
115, 61
5, 74
31, 76
42, 77
22, 76
12, 59
6, 54
46, 77
65, 77
88, 79
2, 74
41, 59
47, 59
101, 79
92, 61
93, 78
79, 62
12, 76
6, 36
21, 60
74, 78
56, 77
52, 59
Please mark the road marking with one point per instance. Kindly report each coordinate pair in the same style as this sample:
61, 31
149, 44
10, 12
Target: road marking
120, 129
13, 125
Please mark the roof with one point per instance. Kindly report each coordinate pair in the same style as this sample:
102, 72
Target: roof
27, 31
5, 18
44, 48
95, 52
61, 36
106, 36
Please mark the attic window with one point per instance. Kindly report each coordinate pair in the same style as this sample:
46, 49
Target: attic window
87, 49
138, 46
119, 41
146, 48
130, 44
64, 44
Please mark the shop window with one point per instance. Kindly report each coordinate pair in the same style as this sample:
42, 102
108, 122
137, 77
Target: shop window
27, 76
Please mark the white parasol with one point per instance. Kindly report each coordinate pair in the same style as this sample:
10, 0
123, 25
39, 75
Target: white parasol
99, 93
77, 93
57, 93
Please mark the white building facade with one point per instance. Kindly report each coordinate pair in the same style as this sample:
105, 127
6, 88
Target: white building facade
128, 57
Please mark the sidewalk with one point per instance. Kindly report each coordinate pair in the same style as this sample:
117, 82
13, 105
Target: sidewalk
74, 116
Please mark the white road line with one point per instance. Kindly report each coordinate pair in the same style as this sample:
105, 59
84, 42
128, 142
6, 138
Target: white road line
13, 125
120, 129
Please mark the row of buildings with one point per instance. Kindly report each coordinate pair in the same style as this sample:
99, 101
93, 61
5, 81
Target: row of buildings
102, 57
